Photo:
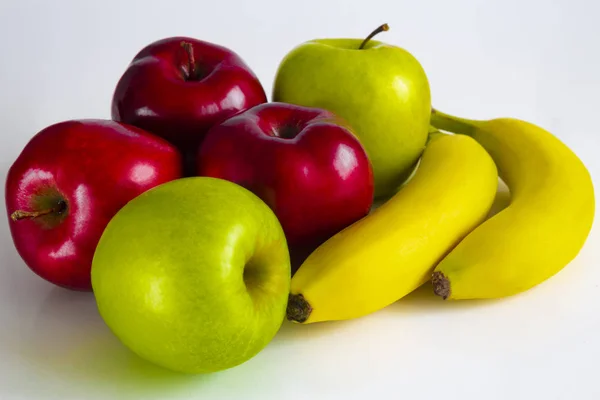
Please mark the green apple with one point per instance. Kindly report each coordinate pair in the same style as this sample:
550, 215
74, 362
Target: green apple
380, 90
193, 275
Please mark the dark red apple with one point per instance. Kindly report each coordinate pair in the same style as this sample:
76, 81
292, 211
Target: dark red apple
305, 163
179, 87
69, 181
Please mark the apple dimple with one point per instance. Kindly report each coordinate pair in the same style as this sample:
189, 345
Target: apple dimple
288, 130
260, 274
194, 74
48, 207
253, 275
279, 121
191, 70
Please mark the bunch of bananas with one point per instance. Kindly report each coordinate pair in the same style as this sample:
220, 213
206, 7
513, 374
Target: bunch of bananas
436, 228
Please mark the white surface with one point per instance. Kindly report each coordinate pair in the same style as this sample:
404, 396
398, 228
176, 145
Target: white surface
536, 60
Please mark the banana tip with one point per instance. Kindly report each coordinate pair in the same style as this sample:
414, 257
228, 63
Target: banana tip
441, 285
298, 309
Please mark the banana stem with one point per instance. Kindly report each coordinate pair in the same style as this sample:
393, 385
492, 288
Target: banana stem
453, 124
441, 285
298, 309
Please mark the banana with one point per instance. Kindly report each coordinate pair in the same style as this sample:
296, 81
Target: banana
543, 228
389, 253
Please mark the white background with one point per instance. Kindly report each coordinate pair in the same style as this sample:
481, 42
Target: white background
535, 60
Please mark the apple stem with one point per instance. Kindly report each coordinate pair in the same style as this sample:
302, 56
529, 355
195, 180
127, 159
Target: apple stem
191, 73
21, 214
298, 309
441, 285
381, 28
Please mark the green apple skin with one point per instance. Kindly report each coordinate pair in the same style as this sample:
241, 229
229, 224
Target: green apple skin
381, 90
193, 275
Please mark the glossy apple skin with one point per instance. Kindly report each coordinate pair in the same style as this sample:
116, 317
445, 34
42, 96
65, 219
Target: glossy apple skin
193, 275
382, 91
316, 178
95, 167
156, 94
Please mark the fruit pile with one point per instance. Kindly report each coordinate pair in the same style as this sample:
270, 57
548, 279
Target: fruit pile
201, 215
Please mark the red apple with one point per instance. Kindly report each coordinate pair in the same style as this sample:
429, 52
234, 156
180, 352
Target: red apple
179, 87
69, 181
305, 163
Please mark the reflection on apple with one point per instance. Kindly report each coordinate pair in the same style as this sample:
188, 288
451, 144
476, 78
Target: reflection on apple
380, 89
305, 163
68, 182
179, 87
193, 275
